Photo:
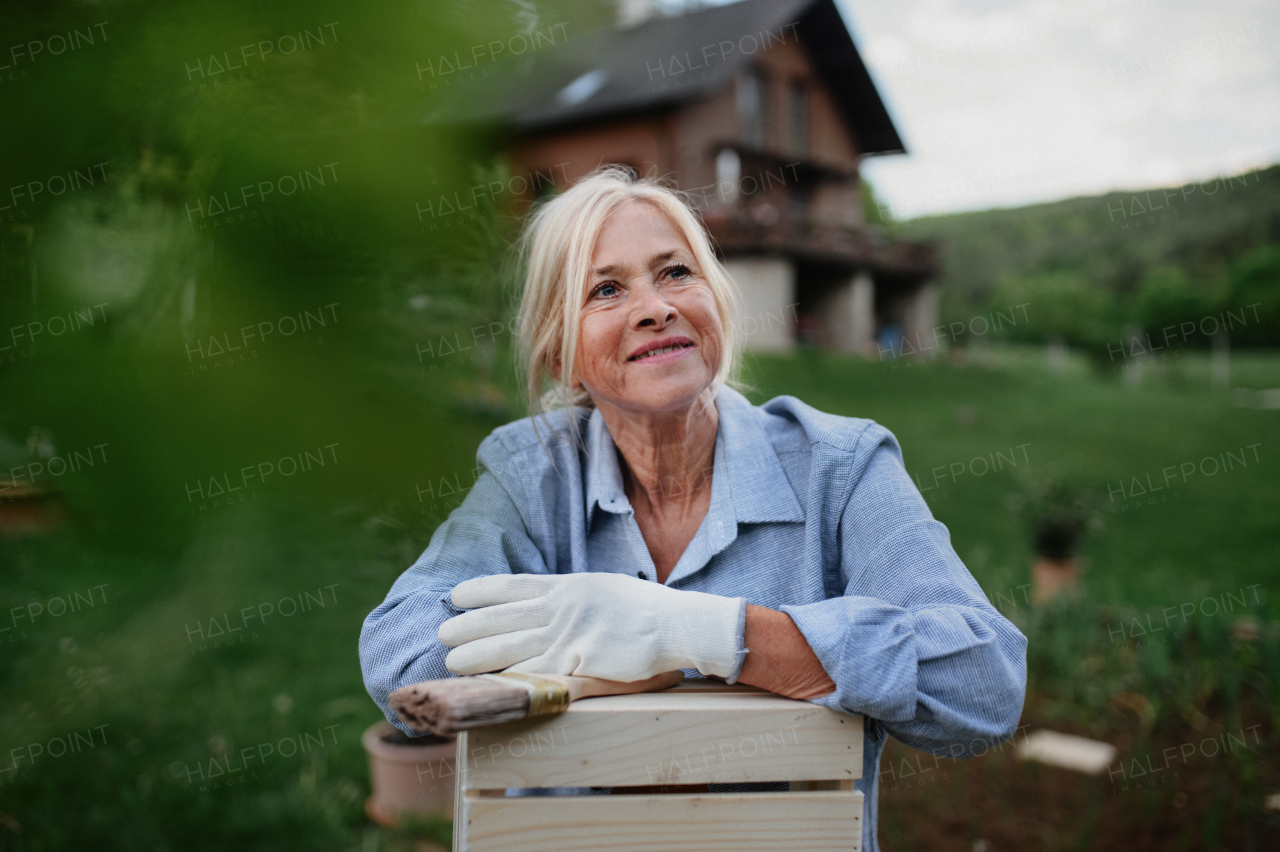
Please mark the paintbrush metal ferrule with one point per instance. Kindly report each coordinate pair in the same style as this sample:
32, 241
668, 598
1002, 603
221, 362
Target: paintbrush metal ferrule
546, 696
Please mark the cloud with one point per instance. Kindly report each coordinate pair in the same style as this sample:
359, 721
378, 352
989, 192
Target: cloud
1003, 102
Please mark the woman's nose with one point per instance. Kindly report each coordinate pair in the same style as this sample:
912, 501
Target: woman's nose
652, 307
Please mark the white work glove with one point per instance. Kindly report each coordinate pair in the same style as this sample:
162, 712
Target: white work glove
595, 624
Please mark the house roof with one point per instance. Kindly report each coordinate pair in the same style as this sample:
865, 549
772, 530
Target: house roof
668, 60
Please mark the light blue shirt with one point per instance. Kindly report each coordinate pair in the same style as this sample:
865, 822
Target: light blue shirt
812, 514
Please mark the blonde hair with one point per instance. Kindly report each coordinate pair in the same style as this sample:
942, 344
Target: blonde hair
557, 246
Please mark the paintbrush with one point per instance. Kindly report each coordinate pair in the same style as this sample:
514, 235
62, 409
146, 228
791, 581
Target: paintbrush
445, 707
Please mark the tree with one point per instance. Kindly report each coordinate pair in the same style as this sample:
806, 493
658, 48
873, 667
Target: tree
1254, 292
1166, 296
874, 211
1065, 305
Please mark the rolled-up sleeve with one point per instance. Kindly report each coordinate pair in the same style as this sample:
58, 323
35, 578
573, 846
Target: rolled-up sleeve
399, 645
913, 642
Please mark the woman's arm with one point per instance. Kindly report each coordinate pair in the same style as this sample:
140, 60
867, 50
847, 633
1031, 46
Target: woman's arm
399, 643
779, 658
913, 642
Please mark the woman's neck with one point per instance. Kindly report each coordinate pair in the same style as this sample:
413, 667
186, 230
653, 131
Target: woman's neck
667, 457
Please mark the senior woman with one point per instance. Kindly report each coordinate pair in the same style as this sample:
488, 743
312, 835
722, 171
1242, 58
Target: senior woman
656, 520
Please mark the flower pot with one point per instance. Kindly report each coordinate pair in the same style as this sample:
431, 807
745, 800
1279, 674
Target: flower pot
1053, 577
410, 775
28, 510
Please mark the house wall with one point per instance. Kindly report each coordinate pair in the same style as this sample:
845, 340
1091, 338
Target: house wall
830, 141
644, 142
703, 128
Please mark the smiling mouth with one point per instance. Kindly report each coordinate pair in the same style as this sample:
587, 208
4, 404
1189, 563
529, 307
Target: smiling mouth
662, 351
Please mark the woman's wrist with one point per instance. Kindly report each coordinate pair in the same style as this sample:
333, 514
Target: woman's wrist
707, 631
779, 658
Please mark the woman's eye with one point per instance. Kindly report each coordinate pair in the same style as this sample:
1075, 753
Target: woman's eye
678, 272
606, 290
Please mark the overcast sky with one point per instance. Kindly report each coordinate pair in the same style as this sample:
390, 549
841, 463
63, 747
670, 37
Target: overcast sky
1009, 102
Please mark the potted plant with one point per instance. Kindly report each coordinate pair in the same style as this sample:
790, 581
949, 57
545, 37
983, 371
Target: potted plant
28, 508
1058, 516
411, 776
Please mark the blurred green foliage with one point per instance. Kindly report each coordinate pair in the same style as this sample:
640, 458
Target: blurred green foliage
238, 170
1094, 270
1253, 280
221, 251
874, 210
1066, 304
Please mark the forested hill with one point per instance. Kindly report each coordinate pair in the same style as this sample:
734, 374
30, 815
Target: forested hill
1141, 257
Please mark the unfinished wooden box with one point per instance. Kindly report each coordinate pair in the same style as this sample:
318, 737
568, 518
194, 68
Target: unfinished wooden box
694, 733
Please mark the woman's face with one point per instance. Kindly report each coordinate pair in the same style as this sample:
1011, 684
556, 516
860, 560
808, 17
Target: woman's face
646, 291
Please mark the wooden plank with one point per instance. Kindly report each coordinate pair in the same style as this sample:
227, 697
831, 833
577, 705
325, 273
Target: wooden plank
668, 738
753, 822
461, 782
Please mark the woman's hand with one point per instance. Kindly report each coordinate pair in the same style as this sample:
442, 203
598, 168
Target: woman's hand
595, 624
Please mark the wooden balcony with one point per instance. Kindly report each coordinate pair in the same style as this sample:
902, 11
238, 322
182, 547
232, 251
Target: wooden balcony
763, 227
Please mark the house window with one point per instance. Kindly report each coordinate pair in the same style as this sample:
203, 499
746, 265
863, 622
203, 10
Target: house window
798, 119
753, 107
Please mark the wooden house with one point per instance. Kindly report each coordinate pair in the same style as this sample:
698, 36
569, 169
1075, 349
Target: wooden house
762, 111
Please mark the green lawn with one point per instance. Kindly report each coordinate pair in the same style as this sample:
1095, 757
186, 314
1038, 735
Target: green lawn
141, 661
1207, 534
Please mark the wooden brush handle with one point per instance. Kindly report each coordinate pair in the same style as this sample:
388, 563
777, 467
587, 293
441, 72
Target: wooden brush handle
578, 687
590, 687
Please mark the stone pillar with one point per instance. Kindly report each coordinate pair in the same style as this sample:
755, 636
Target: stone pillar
920, 317
849, 315
864, 313
767, 308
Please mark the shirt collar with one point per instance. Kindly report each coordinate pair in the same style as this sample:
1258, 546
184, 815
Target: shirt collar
748, 482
